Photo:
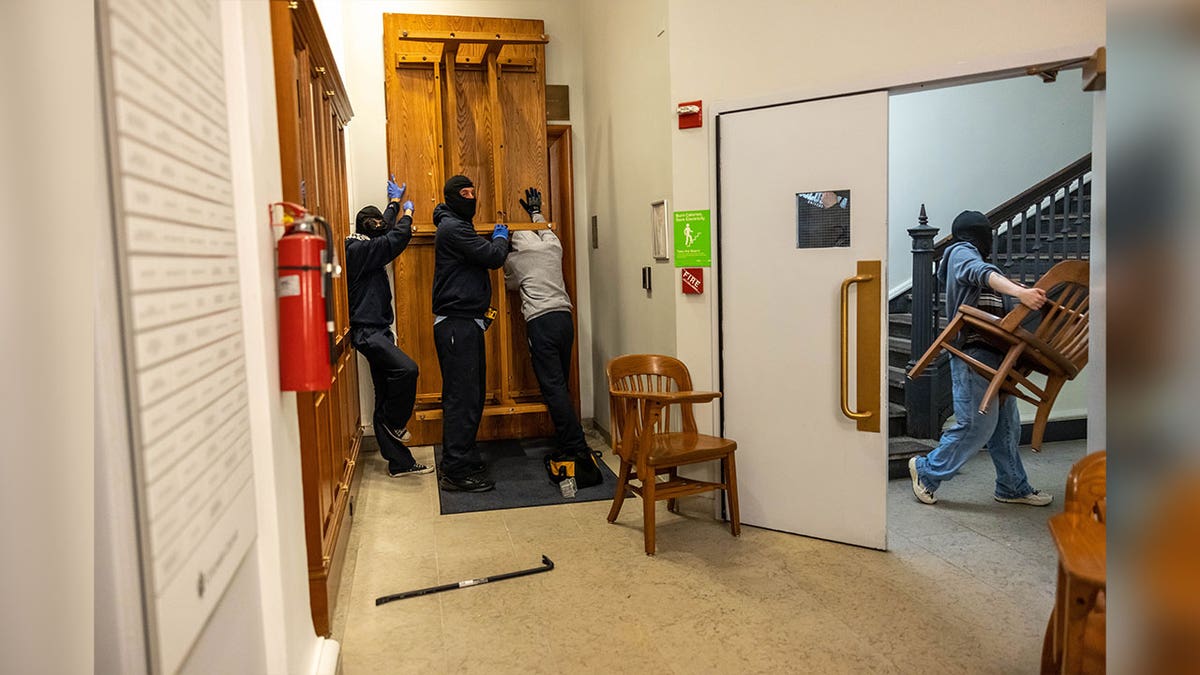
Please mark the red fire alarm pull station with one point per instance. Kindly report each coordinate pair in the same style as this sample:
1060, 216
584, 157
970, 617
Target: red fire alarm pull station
693, 280
691, 114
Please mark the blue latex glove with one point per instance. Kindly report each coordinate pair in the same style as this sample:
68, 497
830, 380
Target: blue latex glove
395, 191
500, 231
408, 205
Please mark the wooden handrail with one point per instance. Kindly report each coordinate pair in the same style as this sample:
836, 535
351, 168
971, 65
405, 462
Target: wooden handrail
1003, 213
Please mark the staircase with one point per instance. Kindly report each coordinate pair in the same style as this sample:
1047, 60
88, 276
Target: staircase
1044, 225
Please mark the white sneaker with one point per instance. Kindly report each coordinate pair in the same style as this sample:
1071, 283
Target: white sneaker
921, 492
1035, 498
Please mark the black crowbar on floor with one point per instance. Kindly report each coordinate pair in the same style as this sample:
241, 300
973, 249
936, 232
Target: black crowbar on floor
547, 565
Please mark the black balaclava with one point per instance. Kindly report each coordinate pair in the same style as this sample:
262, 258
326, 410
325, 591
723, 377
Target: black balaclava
973, 227
464, 208
369, 221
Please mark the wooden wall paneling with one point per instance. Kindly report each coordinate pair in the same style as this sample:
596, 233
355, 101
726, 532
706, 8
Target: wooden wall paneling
338, 223
312, 109
337, 451
286, 98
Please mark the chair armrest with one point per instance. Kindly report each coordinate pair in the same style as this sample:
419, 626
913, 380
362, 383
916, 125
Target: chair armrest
1081, 546
669, 397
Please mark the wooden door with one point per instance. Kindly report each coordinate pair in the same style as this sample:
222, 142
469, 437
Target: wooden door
475, 108
312, 112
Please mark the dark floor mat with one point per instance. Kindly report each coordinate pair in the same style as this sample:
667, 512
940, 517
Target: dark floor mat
521, 480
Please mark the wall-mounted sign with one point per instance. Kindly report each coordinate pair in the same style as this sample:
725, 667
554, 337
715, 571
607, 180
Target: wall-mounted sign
692, 279
177, 249
693, 239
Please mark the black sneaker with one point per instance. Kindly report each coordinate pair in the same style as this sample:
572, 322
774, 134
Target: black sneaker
467, 484
415, 470
401, 435
477, 469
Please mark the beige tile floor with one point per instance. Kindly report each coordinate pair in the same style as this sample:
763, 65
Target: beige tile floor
966, 586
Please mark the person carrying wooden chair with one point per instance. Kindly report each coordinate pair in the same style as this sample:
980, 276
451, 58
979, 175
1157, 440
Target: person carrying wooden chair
968, 279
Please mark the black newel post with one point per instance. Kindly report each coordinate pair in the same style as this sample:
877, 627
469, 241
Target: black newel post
919, 401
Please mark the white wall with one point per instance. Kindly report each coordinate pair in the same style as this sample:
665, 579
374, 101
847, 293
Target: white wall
289, 641
765, 50
629, 166
973, 147
361, 38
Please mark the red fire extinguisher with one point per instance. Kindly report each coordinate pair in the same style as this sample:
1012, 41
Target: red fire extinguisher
306, 267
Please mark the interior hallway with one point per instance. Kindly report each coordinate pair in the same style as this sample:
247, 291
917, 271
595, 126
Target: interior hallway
967, 586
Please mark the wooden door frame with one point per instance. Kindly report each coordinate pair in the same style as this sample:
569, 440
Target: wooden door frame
562, 203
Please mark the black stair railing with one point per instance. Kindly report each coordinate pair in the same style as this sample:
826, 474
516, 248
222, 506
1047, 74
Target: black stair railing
1041, 226
920, 406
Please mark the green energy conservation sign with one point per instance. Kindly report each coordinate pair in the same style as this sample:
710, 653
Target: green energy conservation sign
693, 239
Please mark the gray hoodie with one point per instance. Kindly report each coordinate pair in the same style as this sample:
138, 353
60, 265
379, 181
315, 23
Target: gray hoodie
534, 266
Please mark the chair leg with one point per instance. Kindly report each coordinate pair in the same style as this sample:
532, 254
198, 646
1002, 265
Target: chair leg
673, 503
648, 501
948, 333
1050, 663
1053, 385
993, 389
735, 519
619, 495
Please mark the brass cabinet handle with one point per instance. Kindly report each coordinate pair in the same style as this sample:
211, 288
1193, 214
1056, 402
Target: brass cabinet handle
846, 348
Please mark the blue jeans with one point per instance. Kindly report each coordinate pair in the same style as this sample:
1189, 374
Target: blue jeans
999, 428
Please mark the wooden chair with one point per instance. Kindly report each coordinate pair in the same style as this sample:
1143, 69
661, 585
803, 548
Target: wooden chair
645, 390
1052, 341
1074, 641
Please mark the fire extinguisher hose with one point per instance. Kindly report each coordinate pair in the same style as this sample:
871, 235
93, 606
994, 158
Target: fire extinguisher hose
327, 280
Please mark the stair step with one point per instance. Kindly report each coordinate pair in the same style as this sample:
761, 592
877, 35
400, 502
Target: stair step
897, 410
903, 448
896, 376
899, 344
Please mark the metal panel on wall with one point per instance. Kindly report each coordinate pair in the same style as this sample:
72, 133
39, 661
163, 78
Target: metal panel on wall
176, 253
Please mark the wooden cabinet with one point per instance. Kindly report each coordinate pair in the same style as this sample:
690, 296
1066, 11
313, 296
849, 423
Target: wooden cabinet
466, 95
312, 111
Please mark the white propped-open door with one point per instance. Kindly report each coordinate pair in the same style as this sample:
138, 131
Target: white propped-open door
803, 209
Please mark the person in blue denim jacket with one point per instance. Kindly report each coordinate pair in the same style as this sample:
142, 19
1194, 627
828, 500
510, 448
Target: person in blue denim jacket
969, 279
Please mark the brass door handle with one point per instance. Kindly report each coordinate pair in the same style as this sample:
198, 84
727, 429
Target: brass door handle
846, 284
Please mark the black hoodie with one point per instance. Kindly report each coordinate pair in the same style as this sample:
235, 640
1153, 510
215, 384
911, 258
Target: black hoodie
367, 259
462, 286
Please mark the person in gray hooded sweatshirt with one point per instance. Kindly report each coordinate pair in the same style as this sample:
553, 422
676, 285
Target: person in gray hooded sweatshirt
969, 279
534, 267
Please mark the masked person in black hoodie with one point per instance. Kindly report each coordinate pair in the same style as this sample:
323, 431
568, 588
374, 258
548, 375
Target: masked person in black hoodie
378, 240
969, 279
462, 290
